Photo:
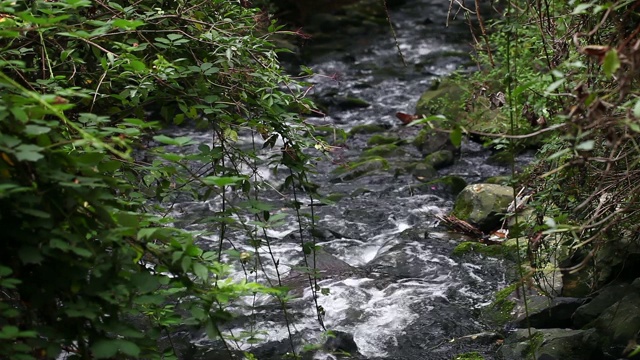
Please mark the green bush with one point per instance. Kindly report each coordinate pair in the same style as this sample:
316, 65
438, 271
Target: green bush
87, 242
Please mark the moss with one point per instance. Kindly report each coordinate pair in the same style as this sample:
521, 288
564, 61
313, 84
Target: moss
378, 139
366, 129
498, 180
499, 312
502, 158
424, 172
335, 197
383, 150
446, 99
533, 344
439, 159
474, 355
359, 169
471, 246
454, 184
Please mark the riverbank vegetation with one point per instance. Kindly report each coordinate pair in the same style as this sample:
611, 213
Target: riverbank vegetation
562, 77
91, 264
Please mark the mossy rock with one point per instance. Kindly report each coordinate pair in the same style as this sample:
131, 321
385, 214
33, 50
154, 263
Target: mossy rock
379, 139
360, 191
498, 180
500, 311
439, 159
449, 183
424, 172
483, 205
428, 141
347, 103
501, 158
334, 197
386, 150
445, 98
476, 247
360, 169
474, 355
366, 129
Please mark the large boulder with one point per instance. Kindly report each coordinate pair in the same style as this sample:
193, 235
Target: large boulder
605, 298
621, 321
483, 205
551, 344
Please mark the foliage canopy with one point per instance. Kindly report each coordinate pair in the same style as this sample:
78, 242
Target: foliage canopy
86, 188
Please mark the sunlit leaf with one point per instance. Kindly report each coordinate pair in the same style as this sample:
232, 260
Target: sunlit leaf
611, 62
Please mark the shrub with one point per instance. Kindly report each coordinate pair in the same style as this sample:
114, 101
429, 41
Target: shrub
88, 244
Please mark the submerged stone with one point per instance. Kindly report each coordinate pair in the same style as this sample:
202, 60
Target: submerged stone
360, 169
366, 129
385, 150
424, 172
439, 159
378, 139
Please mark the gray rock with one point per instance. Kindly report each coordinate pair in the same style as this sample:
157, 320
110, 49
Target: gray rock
483, 205
545, 312
621, 321
424, 172
440, 159
552, 344
604, 299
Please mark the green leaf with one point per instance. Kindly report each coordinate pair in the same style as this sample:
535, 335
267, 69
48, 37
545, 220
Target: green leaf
636, 109
103, 349
580, 9
611, 62
129, 348
127, 24
36, 213
456, 137
174, 37
586, 145
36, 130
554, 85
30, 255
201, 271
28, 152
222, 181
9, 332
146, 233
178, 141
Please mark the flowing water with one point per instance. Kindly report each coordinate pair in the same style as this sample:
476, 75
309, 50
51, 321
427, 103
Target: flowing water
395, 286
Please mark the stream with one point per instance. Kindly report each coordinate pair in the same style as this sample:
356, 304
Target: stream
398, 290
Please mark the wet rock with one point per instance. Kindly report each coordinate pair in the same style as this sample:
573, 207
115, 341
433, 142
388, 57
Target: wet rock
366, 129
499, 180
502, 158
347, 103
476, 247
442, 99
545, 312
424, 172
552, 344
483, 205
450, 183
427, 141
378, 139
360, 169
605, 298
439, 159
621, 321
386, 150
323, 233
341, 342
